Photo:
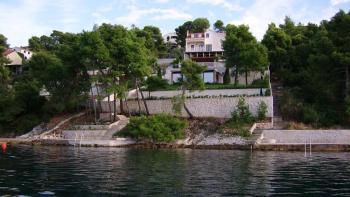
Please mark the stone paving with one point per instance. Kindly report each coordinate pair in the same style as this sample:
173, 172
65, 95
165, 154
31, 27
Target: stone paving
305, 136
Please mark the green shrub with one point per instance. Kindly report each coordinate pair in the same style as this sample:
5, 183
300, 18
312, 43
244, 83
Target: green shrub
156, 83
262, 110
242, 112
347, 107
310, 115
158, 128
268, 92
291, 107
240, 122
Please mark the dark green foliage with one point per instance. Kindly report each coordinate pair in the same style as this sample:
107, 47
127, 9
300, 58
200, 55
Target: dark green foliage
158, 128
198, 25
242, 114
181, 33
310, 115
262, 111
227, 77
219, 26
154, 83
22, 108
192, 73
278, 42
243, 52
313, 63
240, 122
291, 108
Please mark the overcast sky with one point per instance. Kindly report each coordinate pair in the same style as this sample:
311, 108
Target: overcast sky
21, 19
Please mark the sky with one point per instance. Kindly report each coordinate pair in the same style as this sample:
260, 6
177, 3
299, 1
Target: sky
22, 19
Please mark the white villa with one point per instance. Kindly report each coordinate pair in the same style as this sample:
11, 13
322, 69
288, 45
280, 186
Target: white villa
205, 48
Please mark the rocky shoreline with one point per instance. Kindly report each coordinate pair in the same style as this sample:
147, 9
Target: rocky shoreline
178, 145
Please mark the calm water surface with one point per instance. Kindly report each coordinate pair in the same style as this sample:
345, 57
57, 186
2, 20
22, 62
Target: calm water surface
69, 171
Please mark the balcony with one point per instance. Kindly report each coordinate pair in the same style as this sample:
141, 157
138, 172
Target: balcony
195, 40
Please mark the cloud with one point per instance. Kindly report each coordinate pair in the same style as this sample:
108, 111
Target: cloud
336, 2
135, 14
258, 18
274, 11
160, 1
223, 3
22, 22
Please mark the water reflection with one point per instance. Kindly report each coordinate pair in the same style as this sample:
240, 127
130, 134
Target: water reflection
69, 171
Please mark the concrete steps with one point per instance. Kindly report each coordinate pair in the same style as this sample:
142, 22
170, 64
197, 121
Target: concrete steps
256, 136
122, 122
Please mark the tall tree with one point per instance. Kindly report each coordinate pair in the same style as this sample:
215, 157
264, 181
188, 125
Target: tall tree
278, 43
4, 72
196, 26
181, 33
239, 46
219, 26
200, 25
192, 80
95, 57
339, 33
253, 57
130, 58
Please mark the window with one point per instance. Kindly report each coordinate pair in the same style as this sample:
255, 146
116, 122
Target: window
201, 47
175, 65
208, 77
176, 76
207, 35
192, 47
208, 47
195, 35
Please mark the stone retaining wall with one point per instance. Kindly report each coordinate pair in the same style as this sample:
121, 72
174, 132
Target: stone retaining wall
84, 134
220, 107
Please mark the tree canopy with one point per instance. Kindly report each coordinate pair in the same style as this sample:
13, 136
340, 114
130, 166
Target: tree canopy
219, 26
195, 26
242, 51
312, 61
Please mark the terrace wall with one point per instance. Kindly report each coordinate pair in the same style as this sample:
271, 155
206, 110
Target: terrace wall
219, 107
216, 92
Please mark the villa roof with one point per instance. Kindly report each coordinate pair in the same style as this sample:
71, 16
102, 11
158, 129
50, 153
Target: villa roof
8, 51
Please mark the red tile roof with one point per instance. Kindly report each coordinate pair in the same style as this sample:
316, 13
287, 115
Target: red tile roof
8, 51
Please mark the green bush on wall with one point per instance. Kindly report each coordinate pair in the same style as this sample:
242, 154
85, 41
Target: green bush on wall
158, 128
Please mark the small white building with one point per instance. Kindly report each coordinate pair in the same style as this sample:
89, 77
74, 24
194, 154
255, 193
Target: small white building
16, 57
170, 39
15, 61
25, 51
